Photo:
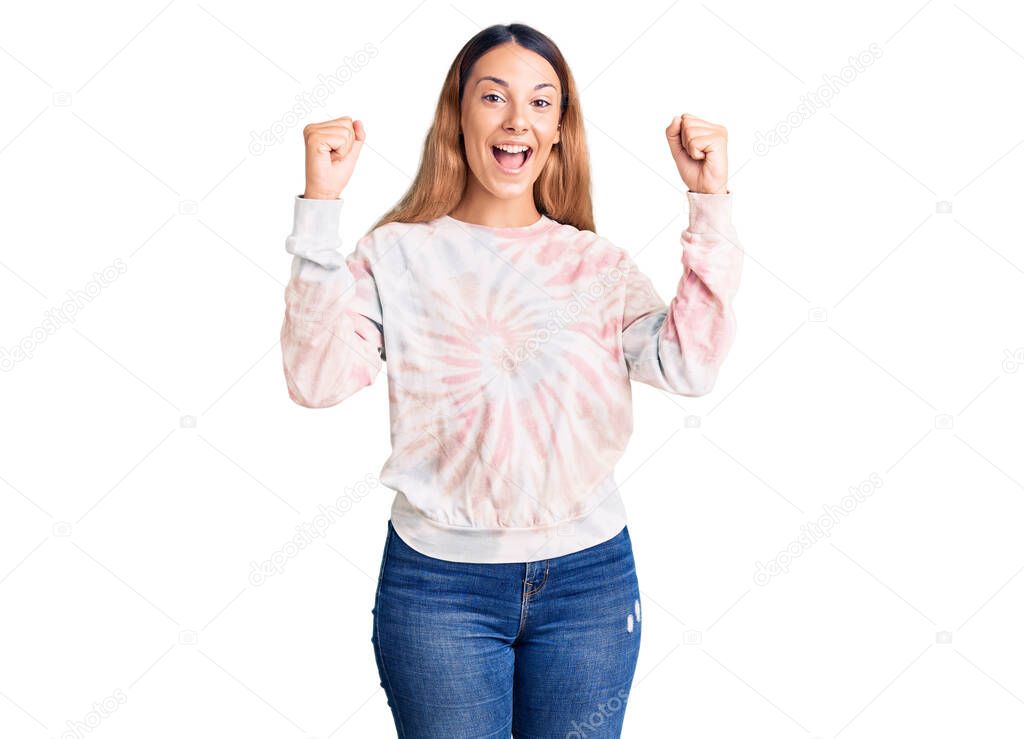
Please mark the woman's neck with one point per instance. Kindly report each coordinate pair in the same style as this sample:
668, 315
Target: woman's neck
485, 209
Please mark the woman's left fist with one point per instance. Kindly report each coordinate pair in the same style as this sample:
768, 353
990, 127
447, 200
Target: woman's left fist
699, 150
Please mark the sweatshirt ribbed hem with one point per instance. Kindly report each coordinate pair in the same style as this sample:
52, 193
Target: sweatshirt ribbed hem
503, 545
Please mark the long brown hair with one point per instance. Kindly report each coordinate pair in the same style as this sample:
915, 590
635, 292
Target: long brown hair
561, 192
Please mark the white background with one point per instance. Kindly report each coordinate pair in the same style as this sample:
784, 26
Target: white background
878, 338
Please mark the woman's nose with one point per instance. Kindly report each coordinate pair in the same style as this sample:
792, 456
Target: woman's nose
516, 121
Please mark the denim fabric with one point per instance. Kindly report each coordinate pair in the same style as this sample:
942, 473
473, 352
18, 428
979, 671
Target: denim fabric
538, 649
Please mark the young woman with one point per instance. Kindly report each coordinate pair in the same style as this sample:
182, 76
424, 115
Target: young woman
507, 599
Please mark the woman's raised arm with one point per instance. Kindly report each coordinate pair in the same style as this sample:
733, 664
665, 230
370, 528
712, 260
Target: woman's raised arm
680, 347
332, 340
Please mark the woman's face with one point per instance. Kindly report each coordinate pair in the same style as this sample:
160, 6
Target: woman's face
512, 97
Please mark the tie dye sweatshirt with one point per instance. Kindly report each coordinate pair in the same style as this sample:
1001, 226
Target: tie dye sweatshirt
509, 355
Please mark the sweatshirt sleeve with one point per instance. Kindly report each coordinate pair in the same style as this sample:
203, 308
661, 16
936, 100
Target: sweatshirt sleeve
680, 347
332, 341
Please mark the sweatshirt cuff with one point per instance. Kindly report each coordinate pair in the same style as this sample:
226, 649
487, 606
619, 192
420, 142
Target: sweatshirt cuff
317, 217
316, 233
708, 212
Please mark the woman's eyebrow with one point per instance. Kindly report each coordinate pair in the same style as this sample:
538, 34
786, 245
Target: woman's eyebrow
503, 83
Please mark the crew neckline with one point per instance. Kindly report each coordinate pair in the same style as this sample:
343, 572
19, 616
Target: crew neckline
540, 224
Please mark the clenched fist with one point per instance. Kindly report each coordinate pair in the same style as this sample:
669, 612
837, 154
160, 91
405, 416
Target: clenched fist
332, 149
699, 149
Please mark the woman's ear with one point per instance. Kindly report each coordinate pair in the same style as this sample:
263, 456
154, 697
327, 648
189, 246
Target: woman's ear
558, 134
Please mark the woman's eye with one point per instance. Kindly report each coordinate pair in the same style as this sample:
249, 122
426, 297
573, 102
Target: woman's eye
497, 98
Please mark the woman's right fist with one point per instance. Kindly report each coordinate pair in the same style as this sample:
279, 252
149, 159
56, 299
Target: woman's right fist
332, 149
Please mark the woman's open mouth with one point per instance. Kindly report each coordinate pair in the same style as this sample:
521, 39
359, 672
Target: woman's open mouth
511, 159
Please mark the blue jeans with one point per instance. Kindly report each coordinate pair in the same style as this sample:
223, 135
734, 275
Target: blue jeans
537, 649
